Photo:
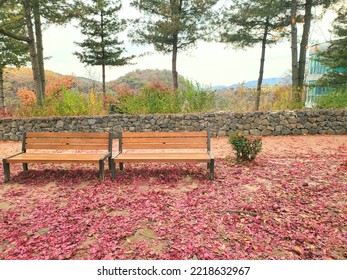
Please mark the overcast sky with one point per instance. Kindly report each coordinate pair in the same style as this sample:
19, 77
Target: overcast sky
208, 63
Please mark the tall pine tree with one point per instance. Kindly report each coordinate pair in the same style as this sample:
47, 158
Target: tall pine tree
12, 52
249, 23
302, 12
335, 57
172, 25
101, 26
35, 14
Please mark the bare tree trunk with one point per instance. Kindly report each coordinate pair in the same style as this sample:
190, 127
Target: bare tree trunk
262, 62
176, 6
304, 47
103, 57
174, 62
39, 45
2, 93
294, 46
33, 53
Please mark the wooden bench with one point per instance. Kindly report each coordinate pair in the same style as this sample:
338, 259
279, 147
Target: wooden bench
35, 146
169, 143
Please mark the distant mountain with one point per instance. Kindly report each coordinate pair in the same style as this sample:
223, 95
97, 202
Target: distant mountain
139, 78
253, 83
86, 85
22, 78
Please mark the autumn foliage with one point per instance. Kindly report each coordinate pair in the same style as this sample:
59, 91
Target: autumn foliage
5, 113
158, 97
27, 97
61, 100
55, 85
290, 203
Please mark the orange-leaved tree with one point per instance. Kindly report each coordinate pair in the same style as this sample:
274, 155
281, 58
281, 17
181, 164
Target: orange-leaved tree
56, 84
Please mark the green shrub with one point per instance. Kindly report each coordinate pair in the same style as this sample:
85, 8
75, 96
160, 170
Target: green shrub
158, 98
68, 102
335, 99
195, 99
246, 147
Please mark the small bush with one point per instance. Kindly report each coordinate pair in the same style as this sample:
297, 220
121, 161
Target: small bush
336, 99
246, 147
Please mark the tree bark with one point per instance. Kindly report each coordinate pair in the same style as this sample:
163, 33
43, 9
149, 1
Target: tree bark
174, 62
2, 93
103, 58
294, 46
304, 47
262, 62
39, 45
33, 53
176, 7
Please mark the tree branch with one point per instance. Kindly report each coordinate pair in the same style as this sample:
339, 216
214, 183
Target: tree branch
14, 36
2, 2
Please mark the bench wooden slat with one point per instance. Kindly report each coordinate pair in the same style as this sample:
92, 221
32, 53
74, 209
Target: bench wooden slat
161, 140
65, 140
93, 135
55, 158
151, 146
52, 146
163, 134
162, 157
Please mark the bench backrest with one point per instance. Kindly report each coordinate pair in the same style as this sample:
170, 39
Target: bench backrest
165, 140
67, 141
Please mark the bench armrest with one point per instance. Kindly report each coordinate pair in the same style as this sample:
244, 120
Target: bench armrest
109, 154
14, 155
117, 155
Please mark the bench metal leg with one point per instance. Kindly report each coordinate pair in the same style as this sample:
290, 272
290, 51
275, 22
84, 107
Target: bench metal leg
212, 169
6, 170
109, 163
25, 167
113, 169
121, 166
102, 170
208, 165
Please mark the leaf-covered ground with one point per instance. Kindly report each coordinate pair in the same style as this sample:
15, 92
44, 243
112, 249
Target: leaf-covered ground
289, 204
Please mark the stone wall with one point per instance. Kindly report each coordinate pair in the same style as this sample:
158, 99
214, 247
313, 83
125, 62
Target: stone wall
220, 124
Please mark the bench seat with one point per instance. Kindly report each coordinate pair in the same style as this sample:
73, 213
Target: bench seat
171, 147
65, 147
163, 157
55, 158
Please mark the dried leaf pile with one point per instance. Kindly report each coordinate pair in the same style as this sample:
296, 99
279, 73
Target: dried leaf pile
291, 203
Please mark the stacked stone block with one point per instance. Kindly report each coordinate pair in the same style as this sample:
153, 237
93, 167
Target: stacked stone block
313, 121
